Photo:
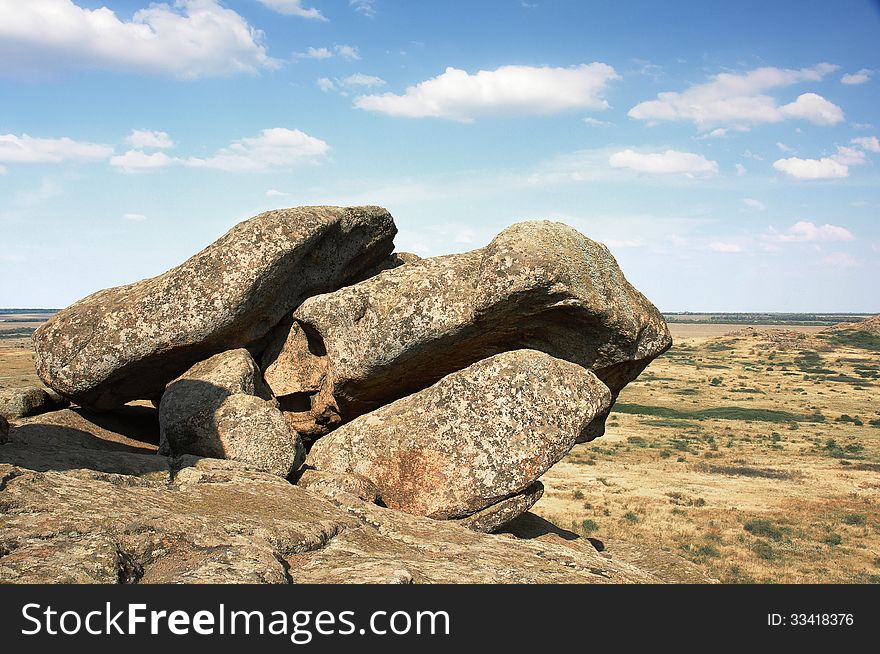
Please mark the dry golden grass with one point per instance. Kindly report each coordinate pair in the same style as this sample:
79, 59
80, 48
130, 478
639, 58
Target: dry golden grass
791, 501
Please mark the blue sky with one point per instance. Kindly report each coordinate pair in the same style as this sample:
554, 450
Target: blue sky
727, 153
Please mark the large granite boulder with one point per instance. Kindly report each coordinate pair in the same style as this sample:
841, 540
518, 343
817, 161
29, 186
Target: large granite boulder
29, 401
473, 439
221, 408
128, 342
538, 285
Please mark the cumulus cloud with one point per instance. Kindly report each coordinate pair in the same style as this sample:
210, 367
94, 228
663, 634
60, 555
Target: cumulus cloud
325, 84
859, 77
134, 217
660, 163
293, 8
347, 52
835, 166
519, 90
145, 139
740, 100
805, 230
740, 170
273, 148
592, 122
192, 38
757, 205
813, 108
28, 149
824, 168
869, 143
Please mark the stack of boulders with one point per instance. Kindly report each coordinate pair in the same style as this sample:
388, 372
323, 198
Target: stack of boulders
301, 345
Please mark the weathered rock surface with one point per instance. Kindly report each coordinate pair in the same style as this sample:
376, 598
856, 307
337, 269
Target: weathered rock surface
4, 430
495, 516
128, 342
331, 482
474, 438
220, 408
89, 516
131, 428
537, 285
29, 401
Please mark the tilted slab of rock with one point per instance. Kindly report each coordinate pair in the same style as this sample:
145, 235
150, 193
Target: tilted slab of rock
221, 408
476, 437
114, 517
128, 342
538, 285
497, 515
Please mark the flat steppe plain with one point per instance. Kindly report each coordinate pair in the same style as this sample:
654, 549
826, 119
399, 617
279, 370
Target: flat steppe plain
748, 450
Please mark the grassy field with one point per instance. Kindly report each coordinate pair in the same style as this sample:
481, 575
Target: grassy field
756, 455
753, 452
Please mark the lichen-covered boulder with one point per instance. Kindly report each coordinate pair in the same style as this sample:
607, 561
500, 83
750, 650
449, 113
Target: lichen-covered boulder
29, 401
473, 439
538, 285
220, 408
128, 342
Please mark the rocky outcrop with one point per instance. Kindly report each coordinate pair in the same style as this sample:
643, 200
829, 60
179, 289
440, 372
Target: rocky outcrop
29, 401
4, 430
476, 437
537, 285
221, 408
128, 342
90, 516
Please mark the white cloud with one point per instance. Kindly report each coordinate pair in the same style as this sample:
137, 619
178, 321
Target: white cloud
135, 217
809, 231
28, 149
293, 8
668, 162
359, 79
840, 259
365, 7
849, 156
835, 166
824, 168
782, 146
273, 148
592, 122
521, 90
316, 53
192, 38
347, 52
724, 247
757, 205
138, 160
859, 77
325, 84
739, 100
740, 170
869, 143
273, 193
813, 108
145, 139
